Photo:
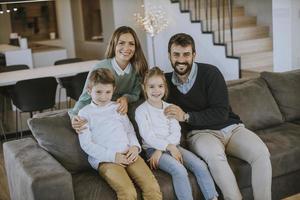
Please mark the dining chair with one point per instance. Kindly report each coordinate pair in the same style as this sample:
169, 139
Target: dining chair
33, 95
5, 91
65, 81
75, 87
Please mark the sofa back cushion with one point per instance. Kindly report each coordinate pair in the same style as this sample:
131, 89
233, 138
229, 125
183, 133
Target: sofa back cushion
54, 133
285, 88
254, 103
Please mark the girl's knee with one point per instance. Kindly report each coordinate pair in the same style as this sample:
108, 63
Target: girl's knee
178, 170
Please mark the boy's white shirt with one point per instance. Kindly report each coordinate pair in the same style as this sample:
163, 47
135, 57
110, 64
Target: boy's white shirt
106, 134
155, 128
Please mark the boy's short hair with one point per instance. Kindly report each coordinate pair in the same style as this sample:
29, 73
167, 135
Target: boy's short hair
103, 76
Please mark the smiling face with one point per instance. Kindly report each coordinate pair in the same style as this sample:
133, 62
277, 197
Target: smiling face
182, 59
125, 49
155, 90
101, 93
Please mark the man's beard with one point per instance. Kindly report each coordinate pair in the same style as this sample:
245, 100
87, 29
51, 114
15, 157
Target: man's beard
187, 69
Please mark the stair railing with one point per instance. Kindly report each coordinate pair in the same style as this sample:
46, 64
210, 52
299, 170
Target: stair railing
209, 13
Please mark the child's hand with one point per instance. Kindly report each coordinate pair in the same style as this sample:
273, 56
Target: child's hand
121, 159
132, 154
175, 152
123, 108
153, 161
78, 123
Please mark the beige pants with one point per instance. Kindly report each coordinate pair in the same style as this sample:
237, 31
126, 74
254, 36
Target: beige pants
118, 178
239, 142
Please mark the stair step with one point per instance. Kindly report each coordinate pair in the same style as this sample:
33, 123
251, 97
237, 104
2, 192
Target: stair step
245, 33
257, 60
237, 22
185, 4
251, 46
237, 11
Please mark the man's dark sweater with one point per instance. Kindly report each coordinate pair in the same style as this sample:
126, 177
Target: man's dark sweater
206, 102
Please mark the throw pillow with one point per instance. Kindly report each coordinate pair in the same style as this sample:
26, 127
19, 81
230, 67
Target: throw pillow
285, 88
54, 133
255, 105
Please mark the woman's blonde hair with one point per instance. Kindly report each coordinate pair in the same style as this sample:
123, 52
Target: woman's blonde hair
155, 71
138, 60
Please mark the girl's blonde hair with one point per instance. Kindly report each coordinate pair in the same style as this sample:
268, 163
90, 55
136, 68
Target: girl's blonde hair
155, 71
138, 60
103, 76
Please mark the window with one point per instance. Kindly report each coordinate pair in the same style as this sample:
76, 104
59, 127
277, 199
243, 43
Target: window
35, 21
92, 22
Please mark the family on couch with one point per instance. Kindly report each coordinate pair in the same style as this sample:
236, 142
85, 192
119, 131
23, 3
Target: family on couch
199, 98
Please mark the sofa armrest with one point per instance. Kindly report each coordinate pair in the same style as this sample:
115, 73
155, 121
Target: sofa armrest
33, 173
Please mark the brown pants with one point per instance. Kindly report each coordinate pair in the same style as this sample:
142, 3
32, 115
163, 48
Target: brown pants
119, 178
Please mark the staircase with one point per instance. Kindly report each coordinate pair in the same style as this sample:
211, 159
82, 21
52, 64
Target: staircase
242, 37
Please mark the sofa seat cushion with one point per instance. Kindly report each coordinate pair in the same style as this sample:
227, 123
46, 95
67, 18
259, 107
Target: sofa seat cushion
99, 189
54, 133
296, 122
285, 87
254, 103
283, 143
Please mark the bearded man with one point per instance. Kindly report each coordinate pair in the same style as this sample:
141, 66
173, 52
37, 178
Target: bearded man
200, 96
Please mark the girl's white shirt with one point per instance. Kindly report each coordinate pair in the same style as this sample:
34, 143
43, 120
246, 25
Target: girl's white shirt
106, 134
155, 128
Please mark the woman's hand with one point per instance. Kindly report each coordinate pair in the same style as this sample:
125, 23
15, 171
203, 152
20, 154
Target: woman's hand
123, 108
153, 161
78, 123
121, 159
175, 152
132, 154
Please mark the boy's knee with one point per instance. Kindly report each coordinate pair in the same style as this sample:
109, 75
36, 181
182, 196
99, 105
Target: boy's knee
127, 192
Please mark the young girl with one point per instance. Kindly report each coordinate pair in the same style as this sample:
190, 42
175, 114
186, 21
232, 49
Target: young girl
161, 137
124, 56
111, 143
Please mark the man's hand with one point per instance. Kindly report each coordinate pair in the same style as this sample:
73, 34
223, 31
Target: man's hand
132, 154
123, 107
121, 159
78, 123
153, 161
175, 112
175, 152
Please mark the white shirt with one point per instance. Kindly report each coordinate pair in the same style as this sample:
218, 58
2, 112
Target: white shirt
107, 133
155, 128
119, 70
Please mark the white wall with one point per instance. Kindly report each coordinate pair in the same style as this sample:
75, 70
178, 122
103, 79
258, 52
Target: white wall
286, 27
206, 51
262, 9
295, 34
123, 11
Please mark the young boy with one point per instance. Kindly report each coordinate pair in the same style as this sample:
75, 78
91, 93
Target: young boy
111, 143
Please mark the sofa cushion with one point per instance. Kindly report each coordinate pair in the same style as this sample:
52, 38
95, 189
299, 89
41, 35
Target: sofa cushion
285, 88
283, 143
254, 103
99, 189
55, 134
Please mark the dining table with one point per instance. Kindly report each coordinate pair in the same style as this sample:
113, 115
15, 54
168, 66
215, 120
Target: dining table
57, 71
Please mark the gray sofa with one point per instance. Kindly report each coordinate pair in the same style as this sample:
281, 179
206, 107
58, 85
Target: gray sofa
52, 166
